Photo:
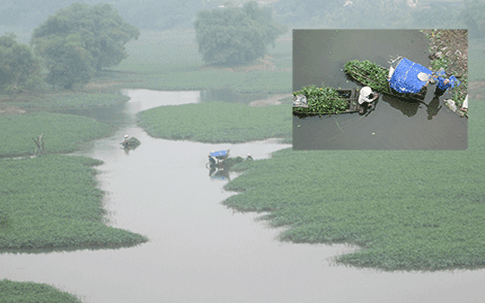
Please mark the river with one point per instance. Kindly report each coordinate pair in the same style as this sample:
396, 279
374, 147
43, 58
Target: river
201, 251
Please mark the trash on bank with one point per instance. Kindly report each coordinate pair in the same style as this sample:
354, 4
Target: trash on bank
451, 104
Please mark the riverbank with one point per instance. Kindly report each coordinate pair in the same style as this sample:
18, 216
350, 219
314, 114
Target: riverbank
404, 216
61, 133
58, 100
449, 50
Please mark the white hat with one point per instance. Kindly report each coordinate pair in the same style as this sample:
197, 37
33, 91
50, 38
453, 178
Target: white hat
126, 136
365, 91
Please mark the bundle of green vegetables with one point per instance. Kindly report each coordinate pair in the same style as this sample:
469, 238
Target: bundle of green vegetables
321, 100
368, 73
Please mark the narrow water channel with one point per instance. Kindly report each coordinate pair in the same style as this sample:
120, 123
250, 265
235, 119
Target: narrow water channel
200, 251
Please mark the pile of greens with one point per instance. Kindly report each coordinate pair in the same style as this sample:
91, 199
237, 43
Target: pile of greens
321, 100
368, 73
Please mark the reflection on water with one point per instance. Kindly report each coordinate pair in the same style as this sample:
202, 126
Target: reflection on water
219, 173
200, 251
319, 57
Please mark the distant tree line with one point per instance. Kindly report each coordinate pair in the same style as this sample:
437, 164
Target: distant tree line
74, 44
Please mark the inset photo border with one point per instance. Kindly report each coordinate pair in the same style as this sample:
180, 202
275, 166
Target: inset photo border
380, 89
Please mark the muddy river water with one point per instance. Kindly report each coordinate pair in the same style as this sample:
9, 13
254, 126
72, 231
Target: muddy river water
201, 251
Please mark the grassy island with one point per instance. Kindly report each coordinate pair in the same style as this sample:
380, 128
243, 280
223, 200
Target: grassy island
52, 203
13, 292
215, 122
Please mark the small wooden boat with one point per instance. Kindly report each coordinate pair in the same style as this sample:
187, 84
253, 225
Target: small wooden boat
404, 78
217, 158
130, 143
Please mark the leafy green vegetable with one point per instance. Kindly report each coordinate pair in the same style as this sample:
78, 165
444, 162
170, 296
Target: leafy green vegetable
321, 100
368, 73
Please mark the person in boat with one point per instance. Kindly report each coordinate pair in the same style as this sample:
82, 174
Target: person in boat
212, 160
125, 139
367, 96
249, 157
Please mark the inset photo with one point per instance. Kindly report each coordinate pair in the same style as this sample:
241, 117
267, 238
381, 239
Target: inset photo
380, 89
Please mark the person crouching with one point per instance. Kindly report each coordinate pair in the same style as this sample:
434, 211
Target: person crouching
366, 97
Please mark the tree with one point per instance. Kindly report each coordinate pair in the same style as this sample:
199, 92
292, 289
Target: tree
19, 68
67, 60
94, 37
235, 35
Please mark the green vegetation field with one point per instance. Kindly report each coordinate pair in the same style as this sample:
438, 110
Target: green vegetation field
405, 209
62, 133
217, 122
13, 292
170, 61
52, 202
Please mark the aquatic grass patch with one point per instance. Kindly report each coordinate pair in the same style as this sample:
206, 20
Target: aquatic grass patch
215, 122
62, 133
53, 202
12, 292
406, 210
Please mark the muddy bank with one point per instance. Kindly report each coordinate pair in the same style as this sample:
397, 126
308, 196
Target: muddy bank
449, 50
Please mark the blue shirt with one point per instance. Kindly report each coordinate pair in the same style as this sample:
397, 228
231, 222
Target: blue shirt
441, 84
